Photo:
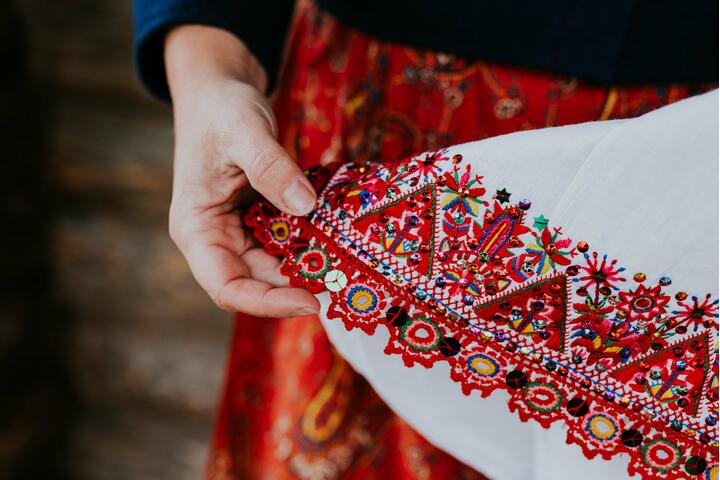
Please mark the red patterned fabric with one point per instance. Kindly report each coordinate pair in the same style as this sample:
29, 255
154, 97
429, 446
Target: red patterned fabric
292, 408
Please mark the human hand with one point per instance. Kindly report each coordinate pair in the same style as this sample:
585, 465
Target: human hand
224, 143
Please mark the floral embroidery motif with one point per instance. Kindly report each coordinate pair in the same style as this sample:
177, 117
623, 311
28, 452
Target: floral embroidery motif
509, 301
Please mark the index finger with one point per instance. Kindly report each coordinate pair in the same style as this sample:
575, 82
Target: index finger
226, 278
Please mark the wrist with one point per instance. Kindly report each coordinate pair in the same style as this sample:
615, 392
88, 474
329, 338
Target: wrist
196, 55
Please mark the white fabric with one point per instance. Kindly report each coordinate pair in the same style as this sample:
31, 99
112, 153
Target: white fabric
644, 191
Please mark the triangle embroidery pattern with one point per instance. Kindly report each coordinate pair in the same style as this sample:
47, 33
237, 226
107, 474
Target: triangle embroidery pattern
405, 228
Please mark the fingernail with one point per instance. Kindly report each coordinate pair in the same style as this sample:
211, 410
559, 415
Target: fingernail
305, 311
300, 198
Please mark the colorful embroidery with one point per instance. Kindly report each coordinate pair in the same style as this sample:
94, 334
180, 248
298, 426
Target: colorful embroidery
509, 301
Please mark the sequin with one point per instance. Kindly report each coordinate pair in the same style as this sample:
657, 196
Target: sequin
335, 280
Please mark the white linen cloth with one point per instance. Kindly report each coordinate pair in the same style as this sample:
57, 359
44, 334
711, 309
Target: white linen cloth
644, 191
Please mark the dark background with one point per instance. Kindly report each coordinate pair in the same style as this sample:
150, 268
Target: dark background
110, 357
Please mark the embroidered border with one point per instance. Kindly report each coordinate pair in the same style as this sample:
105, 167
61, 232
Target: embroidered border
510, 306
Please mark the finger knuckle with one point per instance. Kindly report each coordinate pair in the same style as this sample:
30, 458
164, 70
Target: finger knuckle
265, 112
266, 168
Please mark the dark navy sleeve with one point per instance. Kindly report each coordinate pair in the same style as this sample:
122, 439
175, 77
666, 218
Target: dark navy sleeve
261, 25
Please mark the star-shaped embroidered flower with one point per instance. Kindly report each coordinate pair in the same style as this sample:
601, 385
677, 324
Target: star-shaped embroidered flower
502, 196
600, 272
541, 222
644, 303
698, 312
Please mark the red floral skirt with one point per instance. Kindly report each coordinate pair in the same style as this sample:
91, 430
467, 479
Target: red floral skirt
292, 407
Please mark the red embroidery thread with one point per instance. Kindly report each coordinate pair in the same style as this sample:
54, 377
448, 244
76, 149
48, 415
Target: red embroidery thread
455, 277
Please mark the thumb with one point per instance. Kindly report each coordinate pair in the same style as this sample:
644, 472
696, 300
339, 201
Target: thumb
272, 172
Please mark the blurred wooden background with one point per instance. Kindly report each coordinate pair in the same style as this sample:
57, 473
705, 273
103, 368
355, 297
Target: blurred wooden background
111, 356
